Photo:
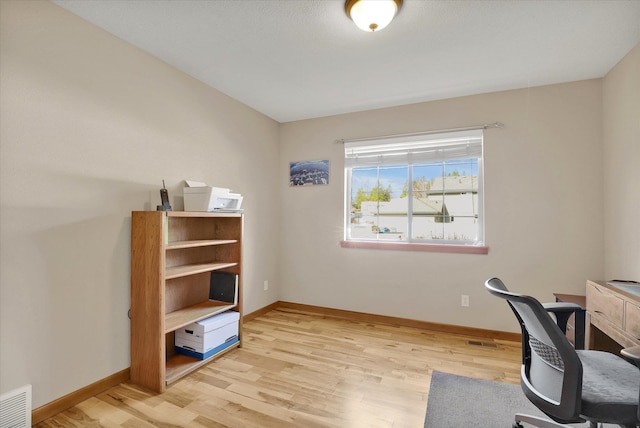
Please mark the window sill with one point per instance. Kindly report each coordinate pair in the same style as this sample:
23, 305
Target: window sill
410, 246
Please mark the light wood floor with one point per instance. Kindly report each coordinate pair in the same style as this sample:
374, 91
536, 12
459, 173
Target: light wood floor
299, 369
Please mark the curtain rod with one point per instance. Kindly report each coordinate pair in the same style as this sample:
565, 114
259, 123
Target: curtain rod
412, 134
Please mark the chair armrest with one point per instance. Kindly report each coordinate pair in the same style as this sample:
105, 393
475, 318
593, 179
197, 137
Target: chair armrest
562, 312
562, 307
632, 353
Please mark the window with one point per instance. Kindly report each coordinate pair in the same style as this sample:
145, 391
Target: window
424, 189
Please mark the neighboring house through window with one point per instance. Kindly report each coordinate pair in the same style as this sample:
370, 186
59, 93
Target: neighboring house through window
416, 189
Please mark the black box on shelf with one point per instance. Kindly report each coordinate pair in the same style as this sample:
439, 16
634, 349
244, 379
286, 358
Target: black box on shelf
223, 287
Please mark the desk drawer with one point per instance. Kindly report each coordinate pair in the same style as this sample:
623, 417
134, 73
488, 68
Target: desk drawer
605, 304
632, 320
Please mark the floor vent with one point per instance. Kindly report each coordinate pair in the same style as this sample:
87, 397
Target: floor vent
15, 408
483, 344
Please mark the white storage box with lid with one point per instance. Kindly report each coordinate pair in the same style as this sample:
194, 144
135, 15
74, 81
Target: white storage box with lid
200, 197
207, 337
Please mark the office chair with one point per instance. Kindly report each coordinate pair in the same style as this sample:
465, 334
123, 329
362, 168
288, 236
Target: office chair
568, 385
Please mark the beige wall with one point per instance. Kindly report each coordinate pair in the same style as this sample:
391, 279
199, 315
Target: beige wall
543, 204
90, 127
621, 137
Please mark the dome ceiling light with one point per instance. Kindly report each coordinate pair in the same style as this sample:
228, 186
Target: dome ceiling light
372, 15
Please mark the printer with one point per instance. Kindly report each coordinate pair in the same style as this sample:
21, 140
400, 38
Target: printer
200, 197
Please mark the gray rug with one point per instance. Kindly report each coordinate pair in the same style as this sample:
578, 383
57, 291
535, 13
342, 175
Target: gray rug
458, 401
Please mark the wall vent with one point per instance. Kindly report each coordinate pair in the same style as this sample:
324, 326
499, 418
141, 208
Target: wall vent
15, 408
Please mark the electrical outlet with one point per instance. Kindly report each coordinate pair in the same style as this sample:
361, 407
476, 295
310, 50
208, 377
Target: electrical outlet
465, 300
266, 285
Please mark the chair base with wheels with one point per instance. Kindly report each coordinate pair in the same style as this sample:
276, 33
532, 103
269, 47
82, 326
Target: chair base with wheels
535, 421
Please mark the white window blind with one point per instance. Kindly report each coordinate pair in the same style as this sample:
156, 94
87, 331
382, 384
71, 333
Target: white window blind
414, 149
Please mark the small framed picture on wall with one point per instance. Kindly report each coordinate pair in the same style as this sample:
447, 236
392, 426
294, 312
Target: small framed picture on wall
309, 173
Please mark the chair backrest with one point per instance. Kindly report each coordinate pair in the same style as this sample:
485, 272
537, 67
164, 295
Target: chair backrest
551, 374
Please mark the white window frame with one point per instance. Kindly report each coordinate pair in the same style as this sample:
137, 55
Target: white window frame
416, 149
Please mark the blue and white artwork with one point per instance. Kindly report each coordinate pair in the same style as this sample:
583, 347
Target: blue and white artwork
309, 173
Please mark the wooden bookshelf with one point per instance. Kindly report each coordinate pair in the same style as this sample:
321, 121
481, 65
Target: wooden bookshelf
172, 255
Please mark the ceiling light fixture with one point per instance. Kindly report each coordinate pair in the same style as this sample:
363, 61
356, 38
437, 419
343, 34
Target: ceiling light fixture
372, 15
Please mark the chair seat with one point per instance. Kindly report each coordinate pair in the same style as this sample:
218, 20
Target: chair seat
609, 388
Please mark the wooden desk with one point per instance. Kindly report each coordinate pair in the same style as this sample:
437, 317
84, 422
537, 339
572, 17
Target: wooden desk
613, 317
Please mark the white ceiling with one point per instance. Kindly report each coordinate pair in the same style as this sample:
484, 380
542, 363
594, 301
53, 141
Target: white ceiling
300, 59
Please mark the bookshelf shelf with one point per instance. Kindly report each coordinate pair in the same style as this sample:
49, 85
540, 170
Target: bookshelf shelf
192, 269
176, 319
198, 243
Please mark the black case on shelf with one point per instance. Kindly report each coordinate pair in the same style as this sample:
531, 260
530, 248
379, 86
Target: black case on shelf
223, 287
